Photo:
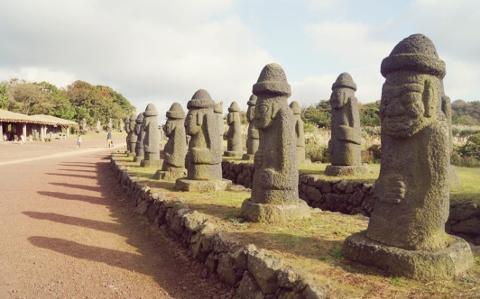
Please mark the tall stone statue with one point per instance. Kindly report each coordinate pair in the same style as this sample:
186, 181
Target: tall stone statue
83, 126
110, 125
151, 140
234, 133
345, 143
218, 109
299, 131
204, 155
132, 137
275, 184
175, 149
252, 135
98, 126
406, 232
139, 152
126, 122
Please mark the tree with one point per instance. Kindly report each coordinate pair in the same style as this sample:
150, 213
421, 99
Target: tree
369, 114
28, 98
318, 115
3, 95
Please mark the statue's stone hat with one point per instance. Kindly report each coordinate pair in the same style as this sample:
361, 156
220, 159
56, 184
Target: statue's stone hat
150, 110
414, 53
201, 99
252, 101
140, 118
272, 79
176, 112
234, 107
344, 80
295, 106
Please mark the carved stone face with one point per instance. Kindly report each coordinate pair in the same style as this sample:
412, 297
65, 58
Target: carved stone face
169, 127
191, 125
339, 97
263, 114
250, 113
405, 99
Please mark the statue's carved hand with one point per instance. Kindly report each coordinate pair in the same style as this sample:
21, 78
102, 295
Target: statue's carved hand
392, 189
267, 178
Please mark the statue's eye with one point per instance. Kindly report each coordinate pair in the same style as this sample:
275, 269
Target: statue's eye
263, 108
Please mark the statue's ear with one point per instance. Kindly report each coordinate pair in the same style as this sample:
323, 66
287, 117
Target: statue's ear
428, 98
199, 119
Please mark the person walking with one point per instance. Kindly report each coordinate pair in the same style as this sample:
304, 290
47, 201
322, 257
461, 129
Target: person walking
109, 139
79, 140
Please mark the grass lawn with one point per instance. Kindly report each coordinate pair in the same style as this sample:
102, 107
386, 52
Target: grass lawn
313, 245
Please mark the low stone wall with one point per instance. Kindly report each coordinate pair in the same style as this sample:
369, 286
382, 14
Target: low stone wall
251, 271
350, 197
464, 221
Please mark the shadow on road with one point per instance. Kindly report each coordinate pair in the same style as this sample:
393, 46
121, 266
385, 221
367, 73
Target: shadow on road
69, 196
93, 224
72, 175
77, 186
158, 256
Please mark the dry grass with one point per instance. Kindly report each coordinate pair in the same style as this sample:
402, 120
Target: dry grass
313, 245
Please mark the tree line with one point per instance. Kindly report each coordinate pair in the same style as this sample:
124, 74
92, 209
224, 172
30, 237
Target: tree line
463, 113
77, 101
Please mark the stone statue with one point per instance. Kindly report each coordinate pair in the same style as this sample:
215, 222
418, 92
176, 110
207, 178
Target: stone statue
110, 125
83, 126
234, 133
139, 152
406, 232
275, 184
98, 126
218, 109
126, 122
299, 131
151, 140
132, 137
175, 149
204, 155
252, 135
345, 143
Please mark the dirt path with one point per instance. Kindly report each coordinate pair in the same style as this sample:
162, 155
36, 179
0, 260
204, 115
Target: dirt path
67, 232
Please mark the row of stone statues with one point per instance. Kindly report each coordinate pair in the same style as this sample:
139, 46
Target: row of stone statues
406, 231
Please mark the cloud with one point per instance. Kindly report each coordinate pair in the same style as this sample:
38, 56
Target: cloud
350, 47
151, 51
453, 27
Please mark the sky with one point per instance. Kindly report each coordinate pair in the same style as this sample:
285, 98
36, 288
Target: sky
157, 51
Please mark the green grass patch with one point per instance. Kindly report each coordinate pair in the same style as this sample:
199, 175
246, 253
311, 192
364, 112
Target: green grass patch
313, 246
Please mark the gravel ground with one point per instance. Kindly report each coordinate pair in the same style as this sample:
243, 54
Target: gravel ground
68, 232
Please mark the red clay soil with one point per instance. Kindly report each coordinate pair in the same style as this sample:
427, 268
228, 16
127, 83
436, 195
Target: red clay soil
67, 232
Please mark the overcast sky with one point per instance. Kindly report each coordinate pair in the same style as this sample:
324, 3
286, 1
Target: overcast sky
163, 51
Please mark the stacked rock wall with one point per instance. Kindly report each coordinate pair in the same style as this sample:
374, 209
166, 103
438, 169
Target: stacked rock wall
351, 197
252, 272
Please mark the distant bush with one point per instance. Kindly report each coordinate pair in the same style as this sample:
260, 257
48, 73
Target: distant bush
467, 155
315, 151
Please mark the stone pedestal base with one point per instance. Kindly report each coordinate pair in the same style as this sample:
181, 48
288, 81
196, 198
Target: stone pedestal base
422, 265
170, 175
151, 163
185, 184
138, 159
274, 213
232, 154
248, 156
345, 170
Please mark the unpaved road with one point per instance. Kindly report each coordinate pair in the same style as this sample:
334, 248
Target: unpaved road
66, 231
